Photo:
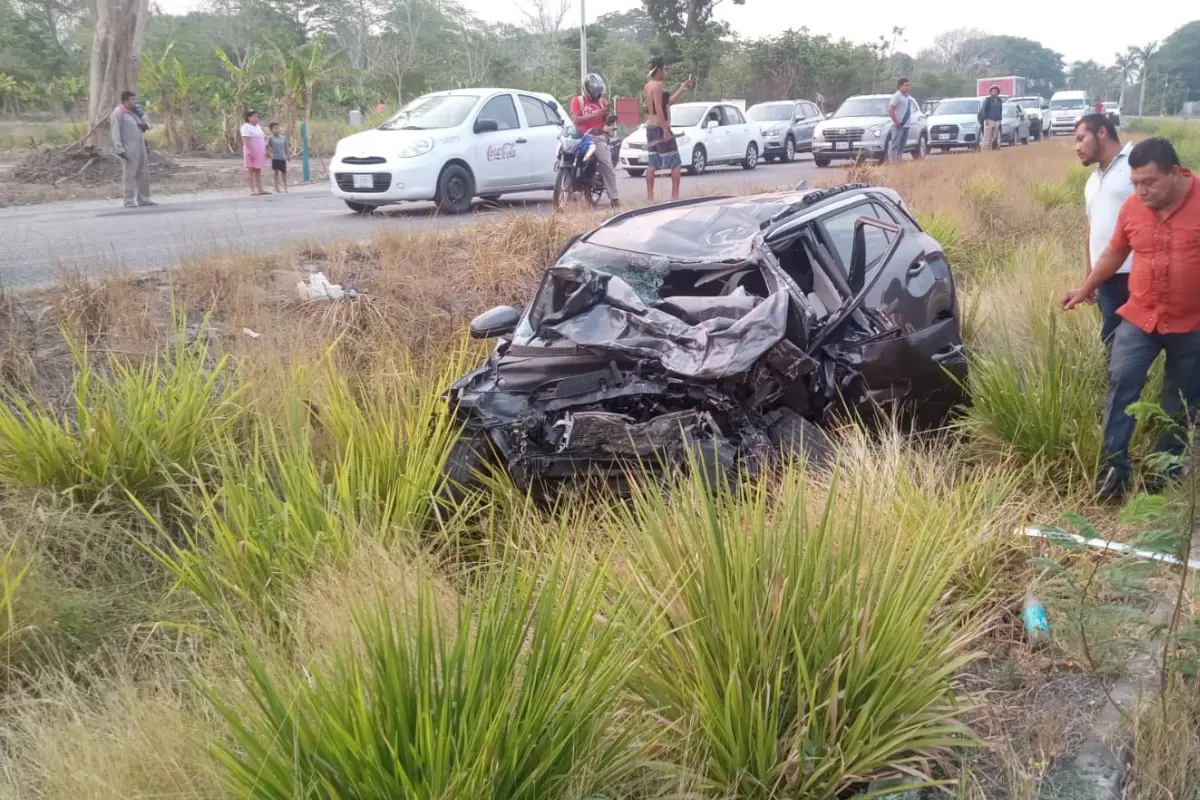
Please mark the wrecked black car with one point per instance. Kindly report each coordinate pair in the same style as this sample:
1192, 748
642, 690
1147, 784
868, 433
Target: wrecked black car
719, 331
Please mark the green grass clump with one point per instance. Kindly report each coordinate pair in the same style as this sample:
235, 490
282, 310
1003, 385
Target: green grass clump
795, 657
1076, 179
946, 231
983, 190
1054, 194
1040, 400
135, 430
513, 695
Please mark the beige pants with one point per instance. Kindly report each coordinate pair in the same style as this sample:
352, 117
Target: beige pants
991, 134
605, 165
135, 176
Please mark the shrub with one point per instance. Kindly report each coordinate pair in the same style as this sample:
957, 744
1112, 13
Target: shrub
1054, 194
983, 190
136, 430
794, 658
1040, 402
512, 697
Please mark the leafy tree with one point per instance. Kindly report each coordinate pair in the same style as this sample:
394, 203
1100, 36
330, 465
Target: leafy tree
1013, 55
687, 31
1126, 65
1180, 55
1145, 58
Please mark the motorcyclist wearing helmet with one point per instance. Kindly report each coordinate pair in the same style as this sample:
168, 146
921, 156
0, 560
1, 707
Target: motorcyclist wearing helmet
590, 113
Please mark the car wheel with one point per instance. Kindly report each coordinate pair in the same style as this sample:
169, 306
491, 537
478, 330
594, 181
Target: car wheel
751, 159
1025, 140
922, 147
468, 458
456, 189
699, 161
635, 173
789, 150
821, 162
793, 435
359, 208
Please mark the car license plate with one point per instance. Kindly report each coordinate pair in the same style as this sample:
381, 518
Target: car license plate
943, 136
634, 160
841, 145
364, 181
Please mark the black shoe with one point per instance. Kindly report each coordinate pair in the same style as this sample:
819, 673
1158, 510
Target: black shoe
1112, 486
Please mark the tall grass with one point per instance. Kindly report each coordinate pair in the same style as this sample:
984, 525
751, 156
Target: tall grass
281, 503
1040, 401
795, 656
132, 430
513, 697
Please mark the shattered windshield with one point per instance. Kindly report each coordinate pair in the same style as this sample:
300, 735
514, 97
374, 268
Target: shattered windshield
644, 274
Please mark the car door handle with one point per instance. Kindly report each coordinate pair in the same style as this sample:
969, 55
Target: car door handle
522, 140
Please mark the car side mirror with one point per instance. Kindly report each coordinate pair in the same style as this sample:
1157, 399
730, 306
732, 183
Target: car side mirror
483, 125
710, 124
499, 321
1046, 107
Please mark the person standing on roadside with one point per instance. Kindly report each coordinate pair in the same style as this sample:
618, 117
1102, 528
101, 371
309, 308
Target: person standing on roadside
1097, 143
900, 109
1160, 225
254, 152
381, 108
660, 141
589, 112
277, 146
128, 130
991, 112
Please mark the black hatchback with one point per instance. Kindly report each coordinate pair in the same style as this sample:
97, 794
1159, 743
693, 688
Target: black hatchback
727, 330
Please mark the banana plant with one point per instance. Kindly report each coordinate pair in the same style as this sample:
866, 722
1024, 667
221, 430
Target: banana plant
300, 69
242, 78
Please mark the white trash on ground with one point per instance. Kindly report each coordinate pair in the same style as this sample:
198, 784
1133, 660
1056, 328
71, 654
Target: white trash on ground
318, 287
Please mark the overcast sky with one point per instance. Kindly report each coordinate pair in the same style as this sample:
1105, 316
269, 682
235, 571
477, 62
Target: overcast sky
1058, 25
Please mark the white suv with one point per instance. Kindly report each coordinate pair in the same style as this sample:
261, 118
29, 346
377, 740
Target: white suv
451, 147
706, 133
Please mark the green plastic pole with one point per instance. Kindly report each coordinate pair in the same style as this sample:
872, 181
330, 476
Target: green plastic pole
304, 149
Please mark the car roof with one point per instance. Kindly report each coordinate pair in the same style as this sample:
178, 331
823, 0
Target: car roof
950, 99
714, 229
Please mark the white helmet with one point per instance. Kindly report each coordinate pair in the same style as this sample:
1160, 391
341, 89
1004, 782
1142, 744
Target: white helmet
593, 86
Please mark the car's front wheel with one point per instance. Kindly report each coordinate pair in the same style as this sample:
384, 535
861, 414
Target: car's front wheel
751, 159
699, 161
821, 162
922, 148
789, 150
456, 189
359, 208
635, 173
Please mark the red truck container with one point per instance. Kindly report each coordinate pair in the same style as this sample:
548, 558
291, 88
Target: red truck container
1010, 86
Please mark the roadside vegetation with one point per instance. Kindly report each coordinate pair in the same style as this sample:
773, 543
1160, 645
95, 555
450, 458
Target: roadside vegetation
224, 571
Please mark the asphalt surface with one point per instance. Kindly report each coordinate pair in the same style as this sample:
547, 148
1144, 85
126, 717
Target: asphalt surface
39, 243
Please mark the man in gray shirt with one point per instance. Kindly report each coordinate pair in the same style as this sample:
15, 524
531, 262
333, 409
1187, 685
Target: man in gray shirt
129, 142
900, 111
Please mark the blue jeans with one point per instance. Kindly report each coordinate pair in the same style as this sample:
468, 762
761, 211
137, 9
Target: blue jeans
1133, 351
1111, 295
895, 147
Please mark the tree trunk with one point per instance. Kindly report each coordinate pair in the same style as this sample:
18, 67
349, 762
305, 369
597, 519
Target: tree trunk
1142, 98
118, 29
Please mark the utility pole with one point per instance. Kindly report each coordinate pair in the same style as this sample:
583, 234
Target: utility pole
582, 41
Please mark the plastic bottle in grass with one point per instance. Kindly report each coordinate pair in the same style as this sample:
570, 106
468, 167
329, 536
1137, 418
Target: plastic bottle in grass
1033, 614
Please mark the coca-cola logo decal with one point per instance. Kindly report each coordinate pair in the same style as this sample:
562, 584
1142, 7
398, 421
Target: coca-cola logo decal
501, 152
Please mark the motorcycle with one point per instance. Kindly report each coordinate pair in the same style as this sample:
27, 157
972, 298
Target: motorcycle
576, 166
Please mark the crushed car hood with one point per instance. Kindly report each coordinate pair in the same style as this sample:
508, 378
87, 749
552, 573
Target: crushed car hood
704, 338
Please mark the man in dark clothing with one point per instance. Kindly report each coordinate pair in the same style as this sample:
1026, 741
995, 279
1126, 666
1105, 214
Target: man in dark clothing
991, 111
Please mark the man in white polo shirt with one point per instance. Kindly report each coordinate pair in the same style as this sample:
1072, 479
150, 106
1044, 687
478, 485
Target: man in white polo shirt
1096, 142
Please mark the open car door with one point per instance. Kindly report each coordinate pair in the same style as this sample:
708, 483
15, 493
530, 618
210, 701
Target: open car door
894, 345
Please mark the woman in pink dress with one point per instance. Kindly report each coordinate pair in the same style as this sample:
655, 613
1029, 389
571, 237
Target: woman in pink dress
254, 153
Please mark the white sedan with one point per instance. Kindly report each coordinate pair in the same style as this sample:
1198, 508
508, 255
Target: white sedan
706, 133
451, 147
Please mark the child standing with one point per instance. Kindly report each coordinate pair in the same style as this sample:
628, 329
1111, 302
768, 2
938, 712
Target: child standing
277, 147
254, 152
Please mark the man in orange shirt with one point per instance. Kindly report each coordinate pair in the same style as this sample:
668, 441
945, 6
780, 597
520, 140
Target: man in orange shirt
1160, 224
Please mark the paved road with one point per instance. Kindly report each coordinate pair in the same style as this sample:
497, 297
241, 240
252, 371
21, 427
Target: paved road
40, 242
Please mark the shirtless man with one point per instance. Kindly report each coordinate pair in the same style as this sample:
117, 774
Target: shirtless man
663, 150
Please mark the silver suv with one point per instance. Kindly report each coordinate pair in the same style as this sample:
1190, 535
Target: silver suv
861, 127
787, 127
